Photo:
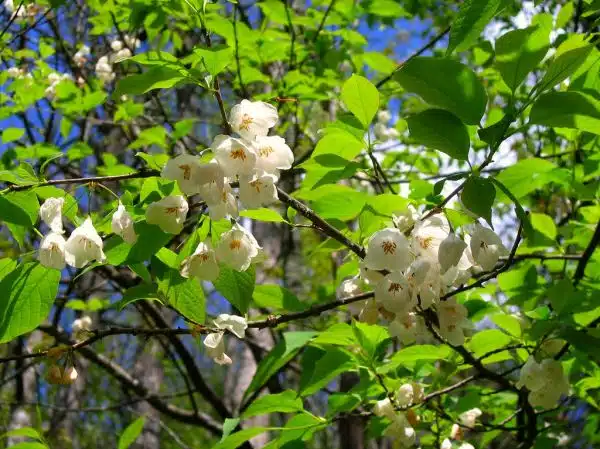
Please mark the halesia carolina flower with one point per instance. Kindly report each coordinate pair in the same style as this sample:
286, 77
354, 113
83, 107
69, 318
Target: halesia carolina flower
52, 251
450, 252
81, 57
84, 245
184, 169
237, 325
469, 417
452, 318
384, 408
253, 118
486, 247
409, 328
202, 264
51, 214
272, 154
428, 236
257, 191
122, 54
405, 395
81, 327
384, 116
466, 446
405, 219
384, 133
215, 348
237, 248
446, 444
225, 204
169, 213
116, 45
368, 275
388, 249
546, 381
393, 293
122, 224
401, 431
234, 156
349, 288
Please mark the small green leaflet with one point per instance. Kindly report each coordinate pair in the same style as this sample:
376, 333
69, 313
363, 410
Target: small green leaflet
131, 433
361, 97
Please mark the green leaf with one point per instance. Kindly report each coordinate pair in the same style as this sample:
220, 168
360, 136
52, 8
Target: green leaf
12, 134
473, 16
238, 438
369, 337
340, 143
440, 130
336, 334
526, 176
478, 196
570, 109
335, 201
29, 445
545, 230
334, 362
508, 323
519, 52
263, 214
488, 340
361, 98
215, 59
285, 402
150, 239
27, 298
131, 433
564, 15
185, 295
157, 77
421, 353
236, 286
135, 293
20, 208
567, 59
458, 91
271, 296
23, 432
284, 351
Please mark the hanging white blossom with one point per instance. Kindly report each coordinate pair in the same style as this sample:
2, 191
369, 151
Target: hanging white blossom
84, 245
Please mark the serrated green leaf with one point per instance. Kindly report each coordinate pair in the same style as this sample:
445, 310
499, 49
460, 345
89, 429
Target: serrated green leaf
236, 286
263, 214
271, 296
472, 17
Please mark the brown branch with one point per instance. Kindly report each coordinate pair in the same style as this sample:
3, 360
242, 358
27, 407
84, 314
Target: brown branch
586, 256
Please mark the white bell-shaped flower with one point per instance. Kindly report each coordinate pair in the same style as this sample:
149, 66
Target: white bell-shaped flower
253, 118
417, 272
237, 248
408, 328
384, 133
183, 169
237, 325
406, 219
450, 252
368, 275
258, 191
122, 54
51, 214
202, 264
122, 224
168, 213
81, 327
466, 446
215, 348
469, 417
486, 247
446, 444
393, 293
428, 235
116, 45
384, 409
225, 205
384, 116
388, 249
405, 395
349, 288
234, 156
272, 154
401, 431
84, 245
52, 251
531, 375
452, 318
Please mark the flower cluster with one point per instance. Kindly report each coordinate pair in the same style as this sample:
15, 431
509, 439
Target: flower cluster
401, 429
546, 382
54, 79
253, 160
81, 56
215, 343
382, 131
413, 264
119, 50
22, 12
84, 244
